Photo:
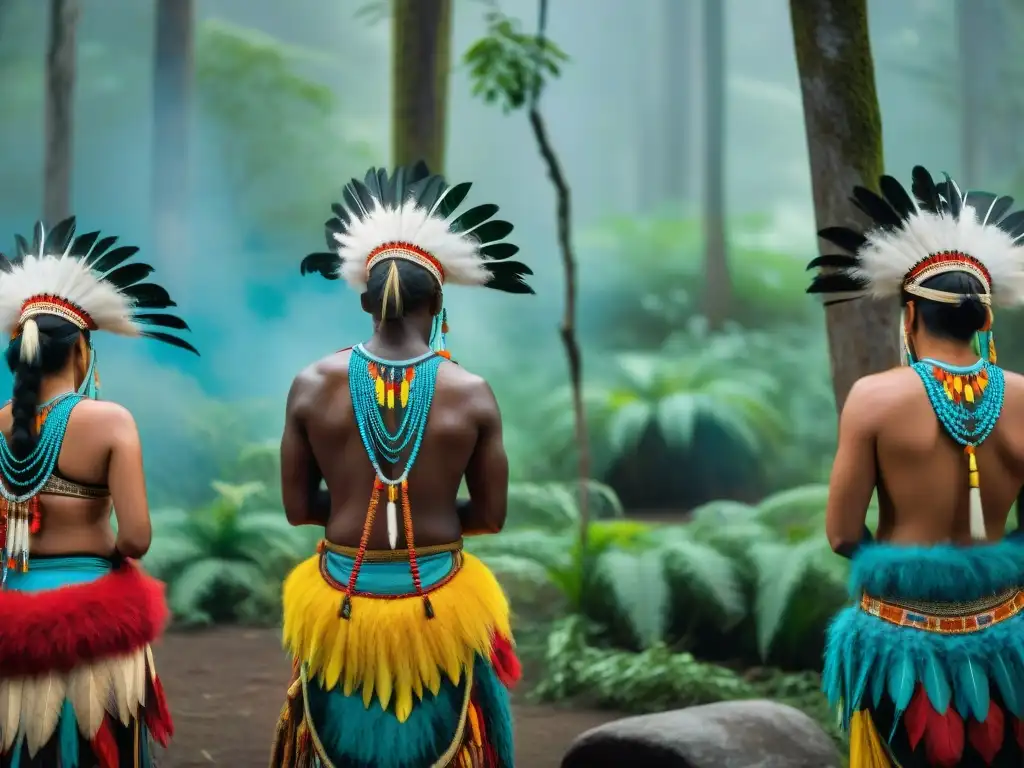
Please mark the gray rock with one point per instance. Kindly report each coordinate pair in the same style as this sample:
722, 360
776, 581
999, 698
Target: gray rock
735, 734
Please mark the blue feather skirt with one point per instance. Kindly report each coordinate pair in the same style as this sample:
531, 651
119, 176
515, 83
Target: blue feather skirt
927, 665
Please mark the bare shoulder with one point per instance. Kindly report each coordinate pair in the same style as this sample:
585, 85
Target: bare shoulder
111, 419
1014, 384
311, 380
876, 395
470, 388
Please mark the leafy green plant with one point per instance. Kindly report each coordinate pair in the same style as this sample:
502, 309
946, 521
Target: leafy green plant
219, 561
657, 679
509, 67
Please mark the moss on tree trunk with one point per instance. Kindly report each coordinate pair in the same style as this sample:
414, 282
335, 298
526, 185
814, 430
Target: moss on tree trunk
421, 64
844, 136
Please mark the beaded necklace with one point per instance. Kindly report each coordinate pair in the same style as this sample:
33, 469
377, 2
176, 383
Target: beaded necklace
378, 386
19, 512
967, 401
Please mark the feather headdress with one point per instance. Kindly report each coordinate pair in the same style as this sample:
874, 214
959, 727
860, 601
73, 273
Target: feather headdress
86, 281
911, 239
409, 216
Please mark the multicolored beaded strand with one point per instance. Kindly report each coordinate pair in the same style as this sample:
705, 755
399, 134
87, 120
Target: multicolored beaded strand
20, 515
967, 400
376, 386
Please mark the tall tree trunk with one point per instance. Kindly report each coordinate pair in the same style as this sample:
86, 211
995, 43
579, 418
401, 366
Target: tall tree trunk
60, 103
172, 85
677, 32
421, 63
718, 281
844, 136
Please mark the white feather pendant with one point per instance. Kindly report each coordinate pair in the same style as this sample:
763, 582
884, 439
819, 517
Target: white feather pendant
10, 710
978, 531
392, 524
88, 688
41, 703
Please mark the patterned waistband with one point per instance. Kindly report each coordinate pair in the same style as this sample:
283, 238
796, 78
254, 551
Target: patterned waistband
388, 555
947, 618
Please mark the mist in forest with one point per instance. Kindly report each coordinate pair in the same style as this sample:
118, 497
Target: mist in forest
630, 97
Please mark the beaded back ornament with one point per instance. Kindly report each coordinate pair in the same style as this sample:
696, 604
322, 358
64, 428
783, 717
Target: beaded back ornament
95, 286
404, 391
912, 239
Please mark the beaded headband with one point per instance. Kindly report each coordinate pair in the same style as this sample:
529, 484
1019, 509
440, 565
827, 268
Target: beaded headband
943, 263
406, 252
54, 305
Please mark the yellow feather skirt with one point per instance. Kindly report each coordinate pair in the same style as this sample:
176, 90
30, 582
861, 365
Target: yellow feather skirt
388, 649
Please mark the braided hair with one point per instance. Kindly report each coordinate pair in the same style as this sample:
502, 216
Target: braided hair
55, 340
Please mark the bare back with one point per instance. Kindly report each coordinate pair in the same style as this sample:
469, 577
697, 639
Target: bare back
98, 434
922, 472
462, 403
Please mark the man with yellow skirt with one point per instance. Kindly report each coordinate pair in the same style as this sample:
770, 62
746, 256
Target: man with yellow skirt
926, 666
401, 641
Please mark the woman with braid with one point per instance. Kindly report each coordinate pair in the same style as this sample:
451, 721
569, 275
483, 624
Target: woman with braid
78, 688
926, 666
401, 641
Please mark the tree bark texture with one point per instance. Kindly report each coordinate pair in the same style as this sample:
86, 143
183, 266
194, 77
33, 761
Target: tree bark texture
60, 103
717, 279
421, 64
844, 137
172, 86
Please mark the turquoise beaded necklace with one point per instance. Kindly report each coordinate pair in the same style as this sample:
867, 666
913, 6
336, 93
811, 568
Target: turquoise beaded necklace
967, 401
20, 511
378, 386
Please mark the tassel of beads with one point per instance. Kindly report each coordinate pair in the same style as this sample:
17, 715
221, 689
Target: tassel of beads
414, 565
371, 512
977, 513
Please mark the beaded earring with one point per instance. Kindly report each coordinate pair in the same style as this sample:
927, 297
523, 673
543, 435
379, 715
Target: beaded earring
439, 335
907, 356
90, 386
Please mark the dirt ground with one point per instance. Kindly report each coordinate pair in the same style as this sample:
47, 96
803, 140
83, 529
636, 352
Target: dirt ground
225, 690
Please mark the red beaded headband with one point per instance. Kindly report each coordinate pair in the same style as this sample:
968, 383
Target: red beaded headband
54, 305
407, 252
949, 261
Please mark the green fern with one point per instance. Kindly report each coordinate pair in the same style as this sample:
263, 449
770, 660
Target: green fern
221, 550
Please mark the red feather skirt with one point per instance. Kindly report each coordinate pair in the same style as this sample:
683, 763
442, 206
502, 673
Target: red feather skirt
78, 686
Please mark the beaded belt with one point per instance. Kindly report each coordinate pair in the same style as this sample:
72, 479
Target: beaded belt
947, 618
388, 555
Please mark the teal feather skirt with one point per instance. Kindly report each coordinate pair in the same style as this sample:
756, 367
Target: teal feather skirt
934, 642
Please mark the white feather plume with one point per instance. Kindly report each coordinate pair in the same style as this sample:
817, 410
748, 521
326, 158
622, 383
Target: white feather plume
457, 253
70, 279
889, 255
